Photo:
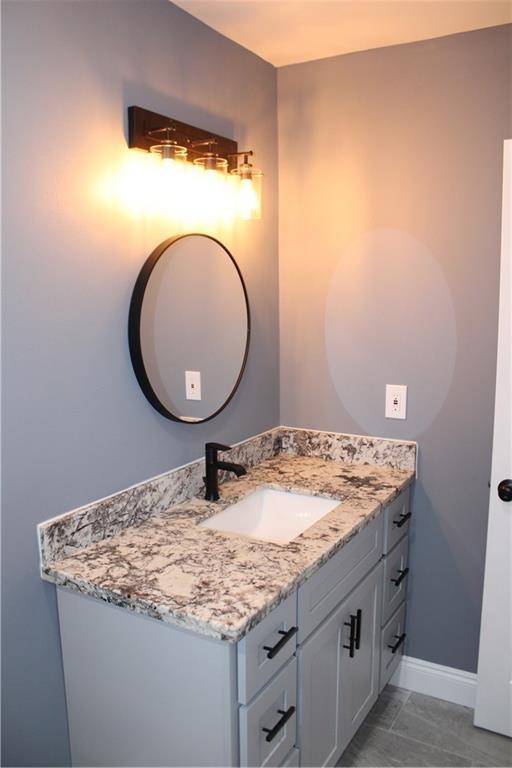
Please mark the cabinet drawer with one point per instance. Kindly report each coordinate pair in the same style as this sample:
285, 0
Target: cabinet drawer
268, 725
396, 525
333, 581
391, 638
396, 569
264, 650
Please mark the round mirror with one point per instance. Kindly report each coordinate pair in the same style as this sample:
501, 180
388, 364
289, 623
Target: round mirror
189, 328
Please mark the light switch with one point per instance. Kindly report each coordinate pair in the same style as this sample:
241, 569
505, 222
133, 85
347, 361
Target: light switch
193, 385
396, 401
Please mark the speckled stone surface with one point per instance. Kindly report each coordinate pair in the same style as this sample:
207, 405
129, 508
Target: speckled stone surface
219, 584
72, 531
355, 449
66, 534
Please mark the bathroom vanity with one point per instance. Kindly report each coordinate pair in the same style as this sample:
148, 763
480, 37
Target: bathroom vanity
186, 645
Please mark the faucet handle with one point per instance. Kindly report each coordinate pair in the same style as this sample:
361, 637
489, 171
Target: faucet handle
212, 448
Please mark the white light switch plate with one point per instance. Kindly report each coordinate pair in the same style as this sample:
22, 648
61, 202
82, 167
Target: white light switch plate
396, 401
193, 385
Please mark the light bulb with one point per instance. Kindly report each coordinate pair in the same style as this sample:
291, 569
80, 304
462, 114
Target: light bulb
248, 202
249, 190
167, 164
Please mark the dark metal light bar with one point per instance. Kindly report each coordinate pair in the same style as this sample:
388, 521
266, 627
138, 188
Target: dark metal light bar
142, 125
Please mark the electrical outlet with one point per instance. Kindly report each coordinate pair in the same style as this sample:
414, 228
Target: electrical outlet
396, 401
193, 385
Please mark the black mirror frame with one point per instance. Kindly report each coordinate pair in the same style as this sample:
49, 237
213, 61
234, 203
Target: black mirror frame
134, 318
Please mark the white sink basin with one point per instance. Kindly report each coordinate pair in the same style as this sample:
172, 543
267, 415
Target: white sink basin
269, 515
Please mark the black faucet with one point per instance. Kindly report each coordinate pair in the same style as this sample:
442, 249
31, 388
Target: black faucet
211, 479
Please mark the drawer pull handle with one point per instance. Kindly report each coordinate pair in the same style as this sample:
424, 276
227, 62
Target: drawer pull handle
272, 732
352, 637
402, 520
396, 646
359, 617
274, 649
403, 573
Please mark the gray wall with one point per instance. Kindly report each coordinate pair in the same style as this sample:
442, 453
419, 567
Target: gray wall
76, 425
389, 236
390, 180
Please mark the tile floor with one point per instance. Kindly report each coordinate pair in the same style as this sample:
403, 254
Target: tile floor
410, 729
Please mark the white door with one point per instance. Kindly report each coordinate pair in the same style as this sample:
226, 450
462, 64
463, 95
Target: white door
493, 708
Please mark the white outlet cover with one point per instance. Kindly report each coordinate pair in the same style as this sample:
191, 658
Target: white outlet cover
396, 401
193, 385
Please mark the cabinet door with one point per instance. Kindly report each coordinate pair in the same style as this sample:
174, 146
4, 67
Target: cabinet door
360, 673
319, 693
292, 760
337, 690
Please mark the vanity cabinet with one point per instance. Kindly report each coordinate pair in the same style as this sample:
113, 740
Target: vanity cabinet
292, 692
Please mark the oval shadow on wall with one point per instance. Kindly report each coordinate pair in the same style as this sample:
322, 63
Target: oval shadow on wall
390, 320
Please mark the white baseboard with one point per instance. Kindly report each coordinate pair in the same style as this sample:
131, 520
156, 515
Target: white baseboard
446, 683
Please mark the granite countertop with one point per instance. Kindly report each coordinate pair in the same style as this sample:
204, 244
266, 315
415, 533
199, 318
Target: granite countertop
220, 584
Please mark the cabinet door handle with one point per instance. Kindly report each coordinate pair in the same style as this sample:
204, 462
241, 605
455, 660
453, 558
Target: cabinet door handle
402, 519
396, 646
359, 617
274, 649
352, 638
272, 732
403, 573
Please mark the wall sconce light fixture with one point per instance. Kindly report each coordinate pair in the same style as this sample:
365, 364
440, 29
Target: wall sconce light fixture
249, 193
205, 163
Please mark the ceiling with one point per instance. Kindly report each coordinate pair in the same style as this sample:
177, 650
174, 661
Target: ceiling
289, 31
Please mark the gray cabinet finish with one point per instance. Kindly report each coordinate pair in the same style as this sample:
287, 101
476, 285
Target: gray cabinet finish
396, 561
396, 520
254, 666
336, 691
140, 692
389, 661
395, 565
264, 713
360, 674
333, 581
292, 760
143, 692
320, 695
